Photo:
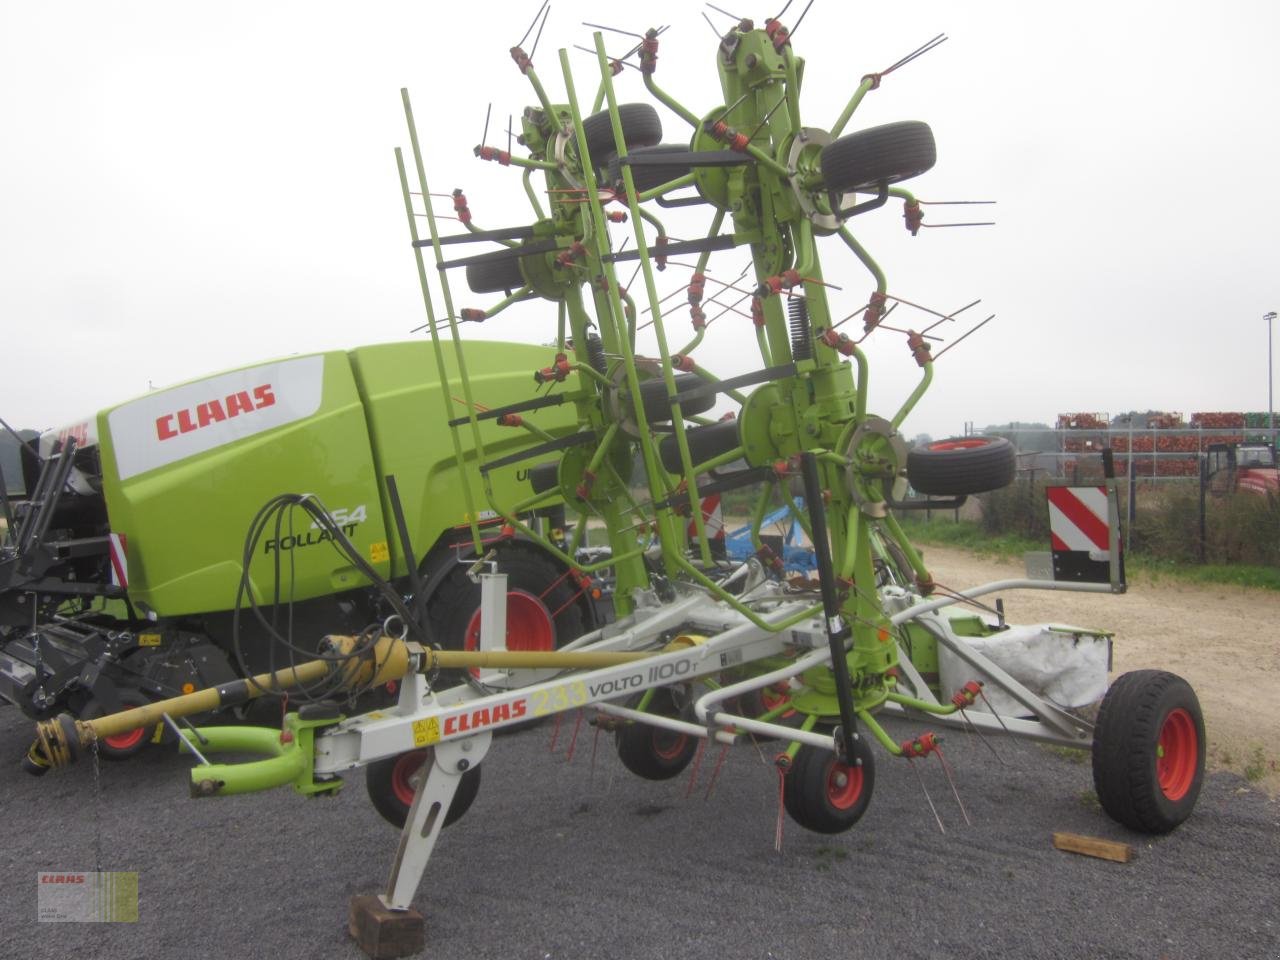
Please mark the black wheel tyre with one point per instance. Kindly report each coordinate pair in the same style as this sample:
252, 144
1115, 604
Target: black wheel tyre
654, 396
124, 745
544, 476
641, 127
542, 607
646, 177
823, 794
652, 752
490, 276
962, 465
890, 153
705, 442
391, 784
1149, 751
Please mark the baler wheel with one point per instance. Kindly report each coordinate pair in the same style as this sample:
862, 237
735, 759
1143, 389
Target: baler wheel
1149, 751
124, 745
543, 611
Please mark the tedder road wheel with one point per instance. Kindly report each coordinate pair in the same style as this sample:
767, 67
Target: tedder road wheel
826, 795
123, 745
886, 154
543, 611
961, 465
393, 781
1149, 751
653, 752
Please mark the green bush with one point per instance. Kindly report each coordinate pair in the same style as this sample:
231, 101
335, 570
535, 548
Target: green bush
1167, 524
1240, 528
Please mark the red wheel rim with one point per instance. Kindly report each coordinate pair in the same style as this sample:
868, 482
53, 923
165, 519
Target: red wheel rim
668, 745
958, 444
126, 741
529, 624
406, 768
844, 785
1177, 754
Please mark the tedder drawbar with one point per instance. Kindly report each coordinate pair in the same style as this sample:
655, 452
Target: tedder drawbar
701, 648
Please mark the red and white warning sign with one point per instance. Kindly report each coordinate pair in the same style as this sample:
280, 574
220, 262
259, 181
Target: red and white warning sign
713, 523
1080, 534
712, 518
1078, 520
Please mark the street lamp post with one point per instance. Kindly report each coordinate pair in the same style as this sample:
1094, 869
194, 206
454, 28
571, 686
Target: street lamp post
1271, 417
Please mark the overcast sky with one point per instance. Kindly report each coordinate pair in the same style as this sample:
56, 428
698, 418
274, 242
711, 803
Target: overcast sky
192, 187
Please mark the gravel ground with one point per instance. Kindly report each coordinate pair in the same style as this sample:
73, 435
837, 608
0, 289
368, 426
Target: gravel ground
563, 859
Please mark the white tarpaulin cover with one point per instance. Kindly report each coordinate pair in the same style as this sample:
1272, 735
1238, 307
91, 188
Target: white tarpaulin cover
1065, 665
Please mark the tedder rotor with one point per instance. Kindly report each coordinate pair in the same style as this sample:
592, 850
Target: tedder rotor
700, 648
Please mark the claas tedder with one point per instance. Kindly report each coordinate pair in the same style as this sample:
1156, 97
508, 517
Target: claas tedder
700, 648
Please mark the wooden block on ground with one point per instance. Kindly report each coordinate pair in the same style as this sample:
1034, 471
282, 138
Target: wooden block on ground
384, 933
1093, 847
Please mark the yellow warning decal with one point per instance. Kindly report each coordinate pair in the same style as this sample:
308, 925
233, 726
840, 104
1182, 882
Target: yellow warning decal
378, 552
426, 731
149, 639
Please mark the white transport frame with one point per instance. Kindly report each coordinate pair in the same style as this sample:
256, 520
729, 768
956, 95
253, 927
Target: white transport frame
458, 723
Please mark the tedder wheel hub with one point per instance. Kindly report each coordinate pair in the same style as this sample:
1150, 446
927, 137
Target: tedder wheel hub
1177, 754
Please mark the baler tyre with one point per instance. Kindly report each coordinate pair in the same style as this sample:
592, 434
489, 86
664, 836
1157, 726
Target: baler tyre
1149, 751
658, 410
889, 153
491, 276
645, 177
962, 465
124, 745
655, 753
826, 795
641, 127
392, 782
542, 608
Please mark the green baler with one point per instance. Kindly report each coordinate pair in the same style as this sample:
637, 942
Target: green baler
118, 581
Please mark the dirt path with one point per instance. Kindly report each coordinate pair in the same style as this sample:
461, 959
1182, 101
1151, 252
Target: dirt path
1222, 639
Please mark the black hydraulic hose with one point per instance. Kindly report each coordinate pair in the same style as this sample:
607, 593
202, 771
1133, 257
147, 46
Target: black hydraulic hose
837, 630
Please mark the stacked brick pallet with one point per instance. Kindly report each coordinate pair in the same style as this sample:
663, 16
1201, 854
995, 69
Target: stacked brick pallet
1091, 433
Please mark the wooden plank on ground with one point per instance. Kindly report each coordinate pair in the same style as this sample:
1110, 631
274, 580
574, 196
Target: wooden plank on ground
1093, 847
